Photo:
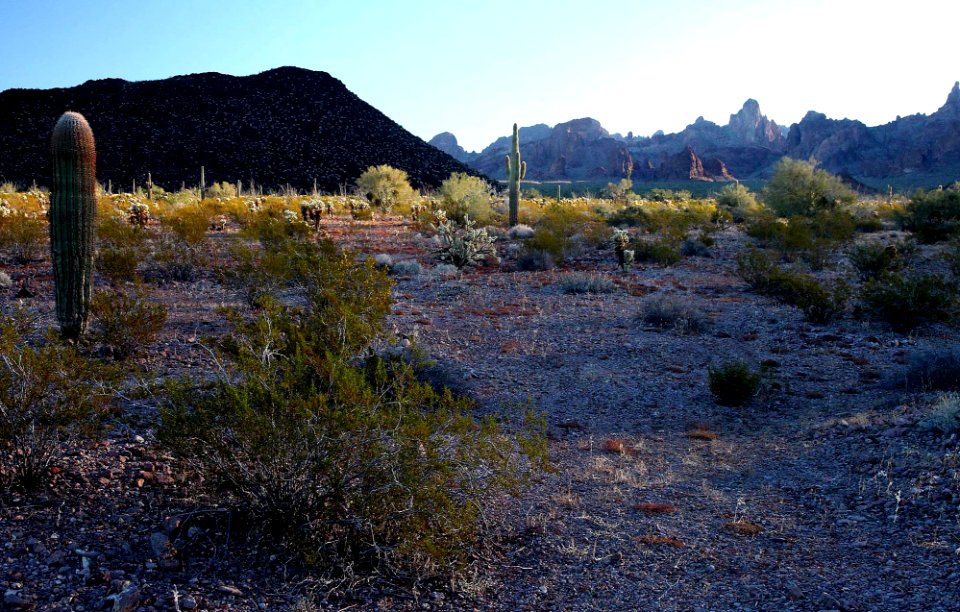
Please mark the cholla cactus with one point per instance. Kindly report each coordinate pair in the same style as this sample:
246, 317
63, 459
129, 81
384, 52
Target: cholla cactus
312, 211
463, 245
254, 205
290, 217
5, 210
620, 241
138, 213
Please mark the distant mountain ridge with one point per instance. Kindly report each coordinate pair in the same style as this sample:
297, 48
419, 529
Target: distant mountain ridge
748, 146
283, 126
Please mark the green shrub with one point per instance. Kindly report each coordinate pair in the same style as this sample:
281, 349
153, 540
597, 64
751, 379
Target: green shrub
665, 311
535, 260
125, 320
354, 465
906, 302
189, 223
578, 282
933, 370
810, 237
173, 259
23, 236
464, 195
664, 251
739, 200
933, 215
800, 188
50, 399
119, 245
557, 227
386, 187
819, 305
871, 259
734, 383
944, 415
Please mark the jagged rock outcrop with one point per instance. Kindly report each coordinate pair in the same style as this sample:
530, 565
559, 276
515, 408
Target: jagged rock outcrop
447, 142
576, 150
284, 126
685, 165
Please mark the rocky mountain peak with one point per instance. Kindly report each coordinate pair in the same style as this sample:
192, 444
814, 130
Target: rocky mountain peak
750, 126
447, 142
952, 105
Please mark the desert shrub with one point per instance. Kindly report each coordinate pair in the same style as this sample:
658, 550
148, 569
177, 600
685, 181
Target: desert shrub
355, 465
733, 383
467, 196
819, 304
445, 270
51, 397
908, 301
933, 370
933, 215
386, 187
23, 236
189, 223
406, 268
665, 311
811, 237
800, 188
119, 249
664, 251
383, 260
520, 232
271, 227
578, 282
944, 416
739, 201
173, 259
535, 261
557, 227
871, 259
692, 247
125, 320
462, 245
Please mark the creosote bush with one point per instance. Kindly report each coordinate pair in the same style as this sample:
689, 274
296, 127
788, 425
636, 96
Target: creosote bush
933, 215
800, 188
125, 320
386, 187
871, 259
665, 311
944, 416
933, 370
51, 398
734, 383
906, 301
818, 303
578, 282
351, 461
23, 236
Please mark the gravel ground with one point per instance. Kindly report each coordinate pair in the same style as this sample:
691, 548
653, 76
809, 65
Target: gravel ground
822, 493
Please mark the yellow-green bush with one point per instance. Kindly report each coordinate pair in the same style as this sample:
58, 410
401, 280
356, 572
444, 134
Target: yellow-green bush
354, 463
51, 398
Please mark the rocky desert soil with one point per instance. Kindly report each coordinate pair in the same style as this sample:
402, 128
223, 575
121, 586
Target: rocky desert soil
821, 494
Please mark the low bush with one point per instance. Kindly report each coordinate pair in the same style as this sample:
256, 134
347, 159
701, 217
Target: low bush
933, 215
535, 261
406, 268
51, 398
933, 370
520, 232
734, 383
818, 303
119, 248
578, 282
189, 223
664, 251
23, 236
125, 320
355, 464
908, 301
944, 416
173, 259
871, 259
675, 312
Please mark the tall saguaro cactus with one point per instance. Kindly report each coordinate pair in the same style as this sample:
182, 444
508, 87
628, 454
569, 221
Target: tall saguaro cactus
73, 205
516, 171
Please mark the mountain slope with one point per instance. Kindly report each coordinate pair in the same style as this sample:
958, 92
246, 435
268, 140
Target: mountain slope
284, 126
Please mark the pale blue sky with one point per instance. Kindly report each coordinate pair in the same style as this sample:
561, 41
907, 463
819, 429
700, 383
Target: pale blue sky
474, 68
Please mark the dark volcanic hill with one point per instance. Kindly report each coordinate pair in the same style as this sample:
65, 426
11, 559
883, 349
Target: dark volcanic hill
283, 126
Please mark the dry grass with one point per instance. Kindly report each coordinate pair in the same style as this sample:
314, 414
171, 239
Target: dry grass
655, 508
657, 540
743, 527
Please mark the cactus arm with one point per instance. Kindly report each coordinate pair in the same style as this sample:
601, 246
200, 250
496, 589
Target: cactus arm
523, 170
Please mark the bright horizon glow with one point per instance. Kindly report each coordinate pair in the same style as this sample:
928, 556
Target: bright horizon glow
475, 69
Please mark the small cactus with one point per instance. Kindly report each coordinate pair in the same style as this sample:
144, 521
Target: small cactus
516, 172
620, 241
73, 204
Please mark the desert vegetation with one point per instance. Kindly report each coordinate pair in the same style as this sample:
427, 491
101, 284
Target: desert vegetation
401, 396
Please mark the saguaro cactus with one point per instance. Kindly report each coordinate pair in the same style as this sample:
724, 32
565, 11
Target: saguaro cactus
73, 205
516, 171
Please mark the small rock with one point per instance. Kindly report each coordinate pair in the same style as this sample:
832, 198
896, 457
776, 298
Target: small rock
127, 600
160, 544
187, 603
13, 600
